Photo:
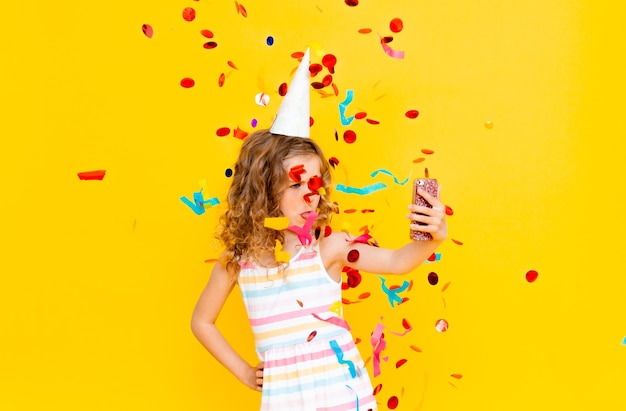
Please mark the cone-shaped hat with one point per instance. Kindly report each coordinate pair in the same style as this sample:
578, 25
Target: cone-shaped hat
293, 114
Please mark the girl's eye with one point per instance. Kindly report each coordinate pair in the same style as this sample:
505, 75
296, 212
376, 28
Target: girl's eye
295, 185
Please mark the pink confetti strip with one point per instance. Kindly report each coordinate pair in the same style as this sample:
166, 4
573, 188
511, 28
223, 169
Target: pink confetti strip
378, 344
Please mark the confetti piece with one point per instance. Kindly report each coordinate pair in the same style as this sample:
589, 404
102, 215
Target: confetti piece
400, 363
441, 325
253, 123
415, 348
311, 336
624, 341
338, 321
353, 256
419, 160
389, 173
211, 260
304, 232
239, 133
279, 254
457, 376
377, 389
392, 292
262, 99
231, 64
372, 121
282, 89
343, 106
350, 211
207, 33
222, 132
392, 403
189, 14
531, 276
396, 25
199, 204
412, 113
427, 151
445, 286
339, 353
187, 82
457, 242
372, 188
147, 30
269, 41
228, 173
396, 54
241, 9
352, 3
449, 210
433, 258
353, 277
335, 308
433, 278
92, 175
276, 223
365, 31
360, 115
221, 80
364, 296
315, 183
349, 136
209, 45
489, 124
329, 61
299, 303
378, 344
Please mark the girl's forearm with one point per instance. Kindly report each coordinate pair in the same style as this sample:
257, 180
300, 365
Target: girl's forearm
410, 256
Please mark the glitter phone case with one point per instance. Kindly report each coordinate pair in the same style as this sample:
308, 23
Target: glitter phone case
431, 186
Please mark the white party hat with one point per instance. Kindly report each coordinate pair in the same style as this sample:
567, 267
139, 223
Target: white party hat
293, 114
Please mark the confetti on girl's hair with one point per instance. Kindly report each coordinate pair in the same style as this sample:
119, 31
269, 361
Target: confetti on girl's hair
295, 173
433, 278
352, 3
365, 31
457, 242
187, 82
401, 362
311, 336
415, 348
221, 80
361, 191
449, 210
282, 89
441, 325
345, 121
209, 45
231, 64
228, 172
189, 14
92, 175
276, 223
457, 376
207, 33
372, 121
396, 25
147, 30
445, 286
300, 303
239, 133
223, 131
419, 160
269, 41
427, 151
364, 295
531, 276
262, 99
241, 9
353, 256
393, 402
349, 136
412, 114
329, 62
333, 161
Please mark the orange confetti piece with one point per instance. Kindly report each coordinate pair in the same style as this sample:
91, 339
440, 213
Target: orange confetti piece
377, 389
419, 160
365, 31
220, 82
231, 64
350, 211
239, 133
364, 296
427, 151
416, 348
357, 340
311, 336
457, 242
360, 115
147, 30
299, 303
445, 286
241, 9
335, 89
207, 33
457, 376
449, 210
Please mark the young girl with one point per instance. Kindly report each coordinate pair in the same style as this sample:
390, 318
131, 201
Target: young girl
308, 357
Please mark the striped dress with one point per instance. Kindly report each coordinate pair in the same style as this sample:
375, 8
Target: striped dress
311, 361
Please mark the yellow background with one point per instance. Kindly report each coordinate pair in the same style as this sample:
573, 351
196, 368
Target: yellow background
99, 278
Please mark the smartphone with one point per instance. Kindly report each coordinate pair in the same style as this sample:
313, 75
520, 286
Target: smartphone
431, 186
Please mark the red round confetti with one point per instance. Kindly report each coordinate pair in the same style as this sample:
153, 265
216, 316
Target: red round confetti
314, 69
449, 210
282, 89
392, 403
360, 115
377, 389
531, 276
327, 231
328, 79
329, 62
412, 113
333, 161
223, 132
317, 85
311, 121
297, 55
441, 325
396, 25
353, 255
187, 82
433, 278
372, 121
427, 151
349, 136
147, 30
221, 80
365, 31
189, 14
352, 3
432, 257
210, 45
353, 276
311, 336
400, 363
207, 33
345, 286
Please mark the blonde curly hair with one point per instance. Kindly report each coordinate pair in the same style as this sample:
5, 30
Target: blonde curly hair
258, 181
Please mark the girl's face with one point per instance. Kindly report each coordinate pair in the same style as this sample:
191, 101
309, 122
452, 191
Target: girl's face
299, 198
